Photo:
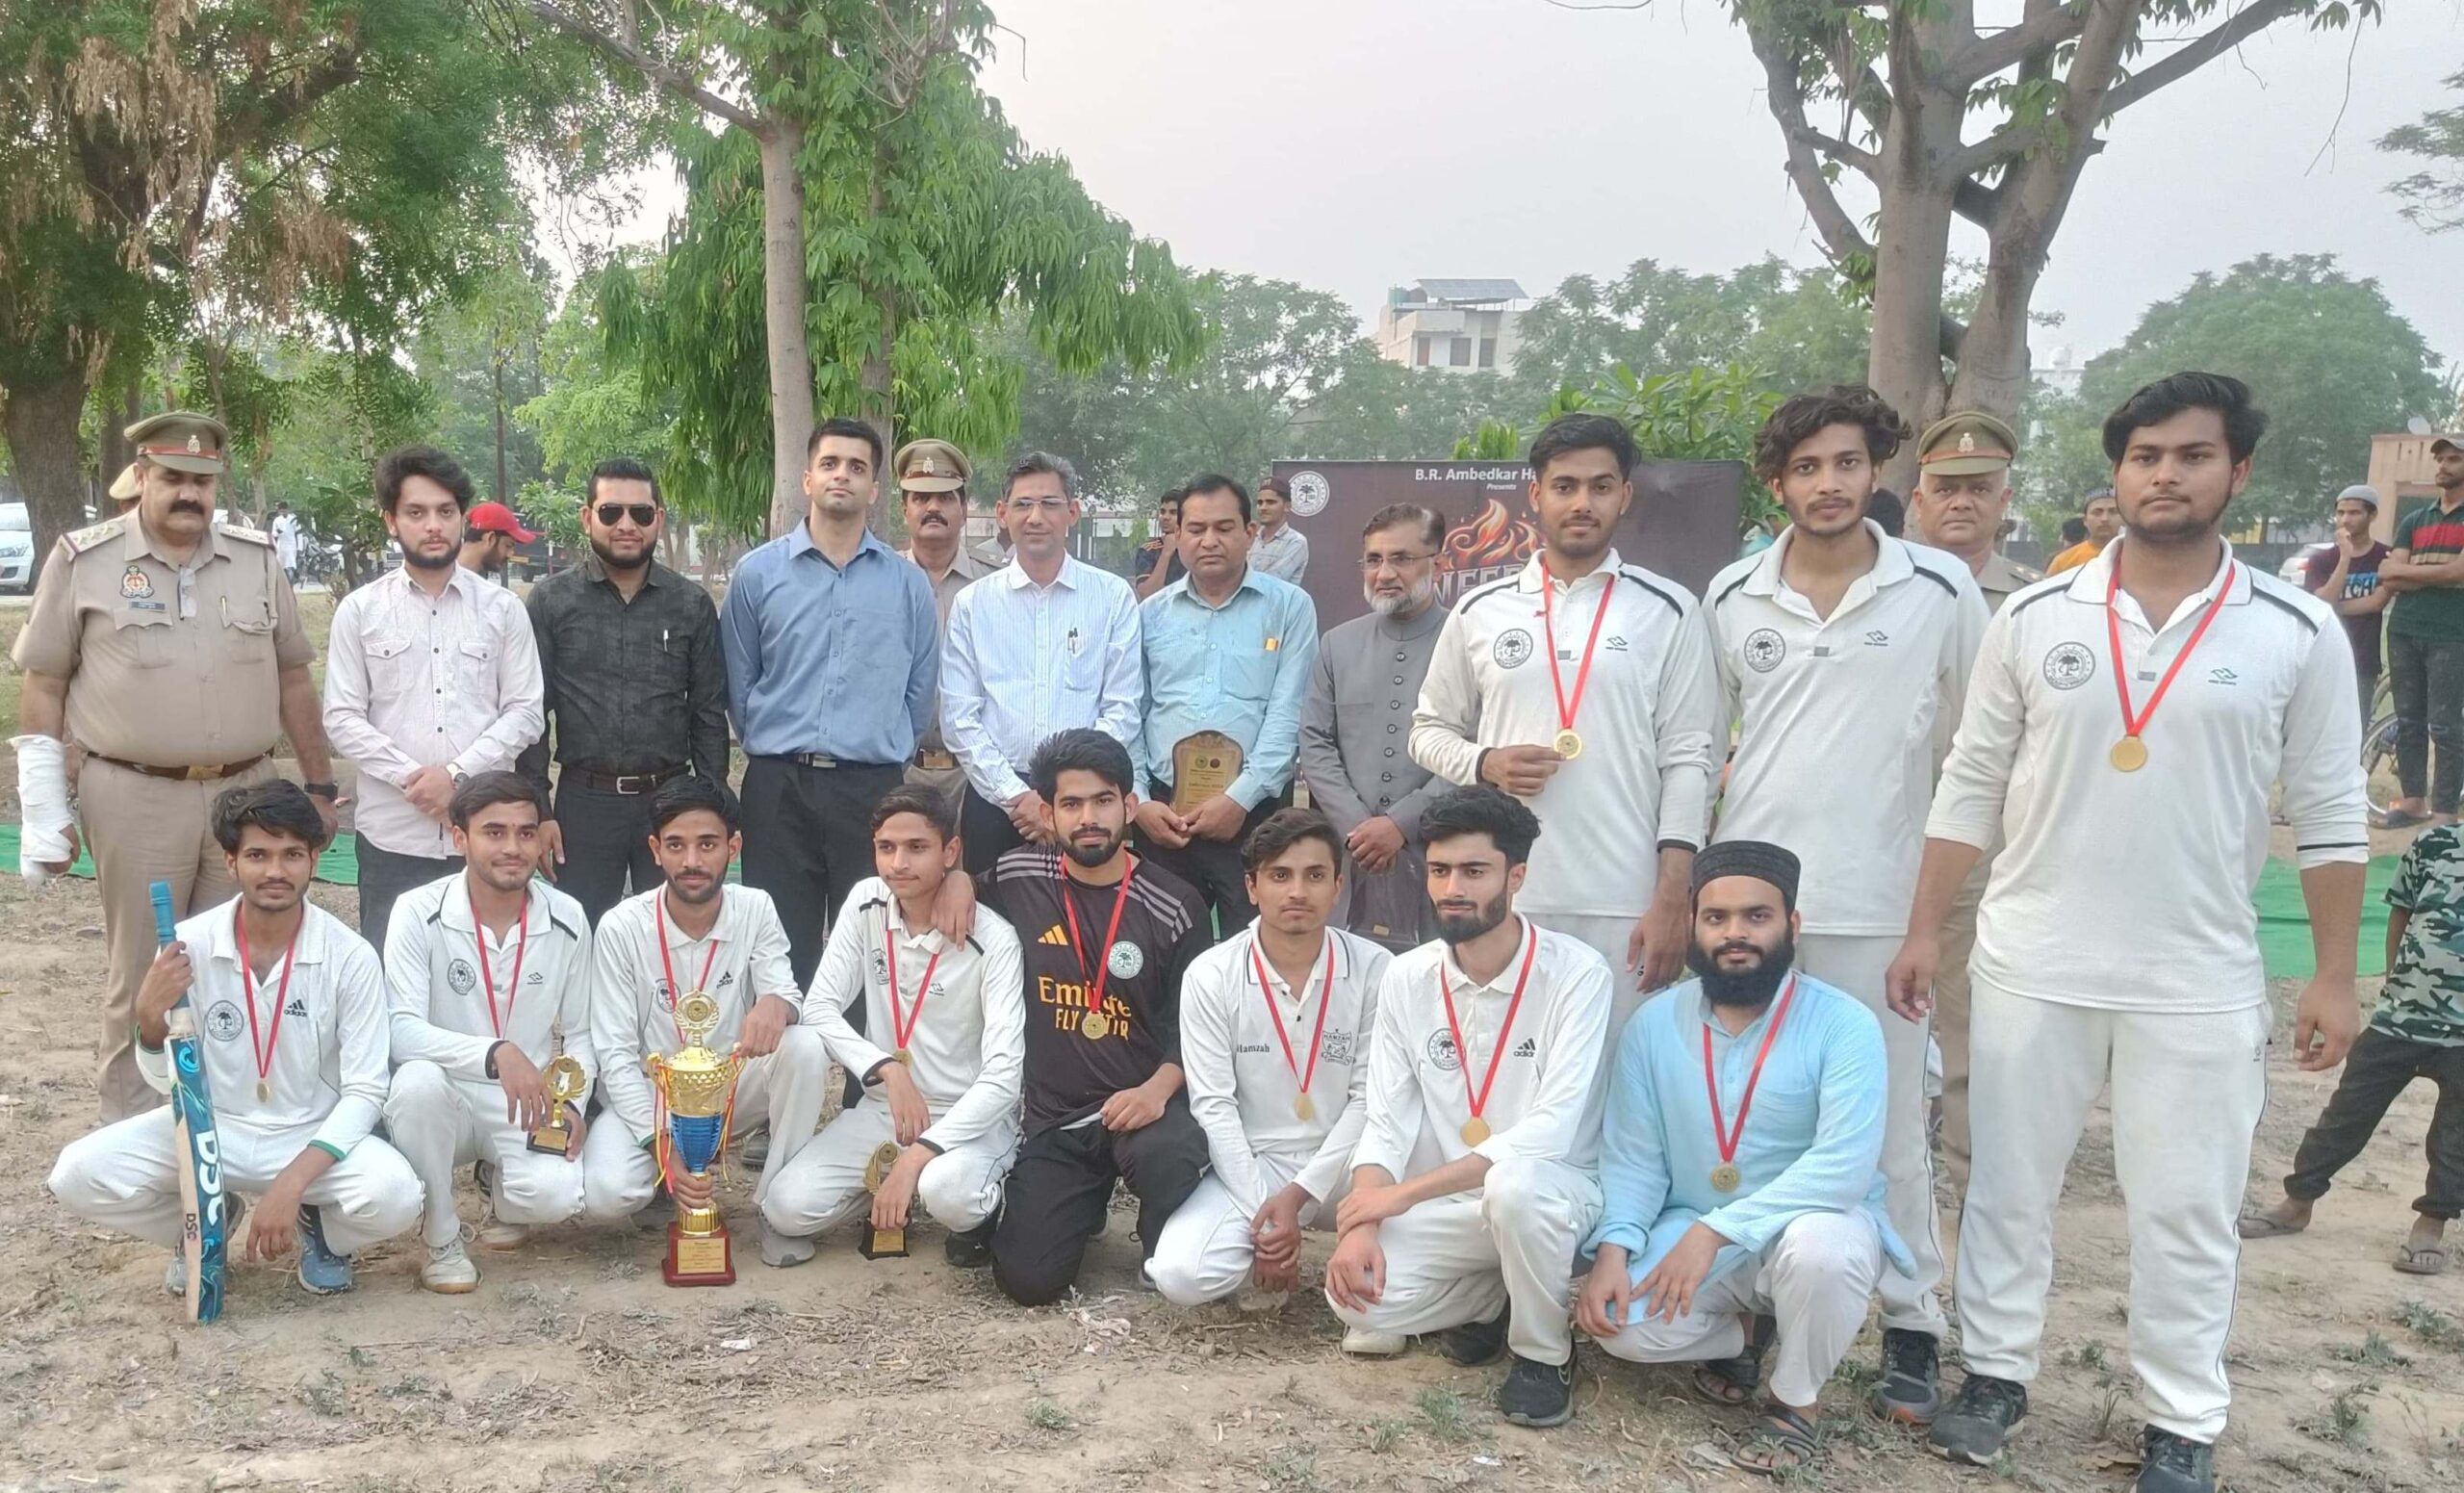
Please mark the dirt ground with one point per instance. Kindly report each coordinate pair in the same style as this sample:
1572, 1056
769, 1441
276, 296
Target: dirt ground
574, 1367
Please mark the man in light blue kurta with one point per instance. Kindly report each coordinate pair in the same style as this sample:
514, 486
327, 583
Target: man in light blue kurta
1719, 1212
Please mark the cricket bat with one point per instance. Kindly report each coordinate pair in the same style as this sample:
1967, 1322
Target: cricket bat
201, 1215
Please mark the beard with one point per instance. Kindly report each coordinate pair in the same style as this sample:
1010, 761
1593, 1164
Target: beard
608, 558
418, 561
1741, 987
1464, 926
1413, 599
1092, 855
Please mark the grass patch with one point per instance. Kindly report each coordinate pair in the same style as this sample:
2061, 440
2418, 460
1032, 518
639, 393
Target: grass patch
1445, 1416
2432, 1326
1044, 1414
2343, 1421
2374, 1352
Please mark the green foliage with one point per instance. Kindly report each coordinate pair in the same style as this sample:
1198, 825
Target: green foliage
589, 406
2434, 197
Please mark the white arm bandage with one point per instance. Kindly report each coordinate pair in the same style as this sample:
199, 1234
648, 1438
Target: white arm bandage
42, 792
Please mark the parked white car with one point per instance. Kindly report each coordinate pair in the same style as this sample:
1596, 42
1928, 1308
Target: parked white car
2295, 569
17, 548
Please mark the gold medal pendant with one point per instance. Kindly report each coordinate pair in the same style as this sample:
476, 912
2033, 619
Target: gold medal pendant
1475, 1130
904, 1056
1569, 744
2129, 755
265, 1092
1304, 1107
1725, 1178
1095, 1028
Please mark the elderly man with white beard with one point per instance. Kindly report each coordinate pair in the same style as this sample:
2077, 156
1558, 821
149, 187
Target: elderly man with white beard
1355, 727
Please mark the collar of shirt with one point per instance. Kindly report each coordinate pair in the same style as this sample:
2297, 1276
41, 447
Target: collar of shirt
965, 563
459, 581
1068, 578
1405, 630
800, 543
1315, 984
2088, 584
454, 913
592, 571
1536, 574
928, 943
137, 544
1504, 984
310, 949
1185, 589
1891, 566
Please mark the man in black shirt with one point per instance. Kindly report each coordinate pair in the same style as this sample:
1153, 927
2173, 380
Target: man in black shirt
636, 690
1104, 938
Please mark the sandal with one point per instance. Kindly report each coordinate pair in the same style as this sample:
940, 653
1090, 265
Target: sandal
2422, 1260
1733, 1382
1781, 1441
2261, 1225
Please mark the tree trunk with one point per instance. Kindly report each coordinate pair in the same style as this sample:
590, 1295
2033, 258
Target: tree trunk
503, 495
784, 298
40, 421
877, 388
1911, 253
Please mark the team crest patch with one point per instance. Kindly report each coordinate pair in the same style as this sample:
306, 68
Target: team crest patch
1125, 960
1310, 490
2070, 665
462, 977
1764, 648
1441, 1051
135, 584
223, 1020
1513, 646
1338, 1046
880, 965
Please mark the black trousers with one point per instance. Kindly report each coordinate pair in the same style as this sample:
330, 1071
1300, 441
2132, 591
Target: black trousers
384, 875
1062, 1183
807, 842
2376, 1069
608, 842
2428, 677
987, 830
1214, 866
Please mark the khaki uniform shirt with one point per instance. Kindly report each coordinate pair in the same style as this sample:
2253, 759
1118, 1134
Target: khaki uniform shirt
2000, 576
167, 667
967, 568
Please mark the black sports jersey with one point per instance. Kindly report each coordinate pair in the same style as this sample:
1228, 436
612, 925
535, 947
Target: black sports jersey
1162, 926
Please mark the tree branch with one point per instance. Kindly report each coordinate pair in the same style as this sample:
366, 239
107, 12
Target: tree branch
651, 67
2248, 22
1977, 202
1840, 235
1951, 333
2013, 45
1842, 151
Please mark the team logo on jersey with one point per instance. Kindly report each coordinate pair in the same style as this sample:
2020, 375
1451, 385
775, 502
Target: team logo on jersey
880, 965
1876, 637
1513, 646
462, 977
1530, 1048
1125, 960
1614, 643
223, 1022
1310, 490
1337, 1047
1764, 648
1053, 934
2070, 665
297, 1008
1441, 1051
133, 582
2221, 675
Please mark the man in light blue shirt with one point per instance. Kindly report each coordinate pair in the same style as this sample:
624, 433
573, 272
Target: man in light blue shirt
1042, 646
831, 646
1228, 656
1740, 1164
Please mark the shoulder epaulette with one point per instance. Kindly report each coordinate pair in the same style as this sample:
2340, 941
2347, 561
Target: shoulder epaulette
86, 539
242, 531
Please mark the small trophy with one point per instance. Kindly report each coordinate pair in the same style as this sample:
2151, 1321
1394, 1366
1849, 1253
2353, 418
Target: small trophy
1203, 765
566, 1085
881, 1243
697, 1084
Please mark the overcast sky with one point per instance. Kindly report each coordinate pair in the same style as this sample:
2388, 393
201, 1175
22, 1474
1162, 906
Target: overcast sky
1351, 145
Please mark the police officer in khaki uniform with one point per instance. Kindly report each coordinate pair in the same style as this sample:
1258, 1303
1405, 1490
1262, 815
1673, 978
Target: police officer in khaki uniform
1962, 493
168, 646
932, 483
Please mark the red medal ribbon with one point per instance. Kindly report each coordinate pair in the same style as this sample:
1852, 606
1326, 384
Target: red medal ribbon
2132, 727
249, 988
1077, 945
1480, 1100
1326, 998
899, 1035
479, 941
709, 956
1727, 1140
1566, 709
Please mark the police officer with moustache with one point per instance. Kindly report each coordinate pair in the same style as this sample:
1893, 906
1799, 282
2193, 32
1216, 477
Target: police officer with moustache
932, 484
169, 646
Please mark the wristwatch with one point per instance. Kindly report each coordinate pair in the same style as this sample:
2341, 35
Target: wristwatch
457, 773
328, 791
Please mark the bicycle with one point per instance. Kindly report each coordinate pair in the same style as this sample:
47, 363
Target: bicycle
2378, 751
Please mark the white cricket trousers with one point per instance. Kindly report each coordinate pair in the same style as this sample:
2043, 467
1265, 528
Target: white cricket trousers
823, 1186
2187, 1093
1817, 1279
782, 1092
1461, 1258
127, 1176
1206, 1251
439, 1122
1858, 966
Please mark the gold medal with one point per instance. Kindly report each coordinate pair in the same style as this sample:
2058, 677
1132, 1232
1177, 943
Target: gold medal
1305, 1108
904, 1056
265, 1092
1095, 1027
2129, 755
1475, 1130
1725, 1178
1569, 744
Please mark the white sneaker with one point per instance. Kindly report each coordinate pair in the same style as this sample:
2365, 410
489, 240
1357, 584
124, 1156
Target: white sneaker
1363, 1343
1250, 1302
782, 1250
497, 1234
448, 1271
175, 1275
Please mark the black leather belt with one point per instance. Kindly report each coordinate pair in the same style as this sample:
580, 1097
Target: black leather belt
210, 773
631, 784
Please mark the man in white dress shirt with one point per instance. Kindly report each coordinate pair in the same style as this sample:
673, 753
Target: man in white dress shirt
490, 979
431, 675
1584, 685
1843, 656
1044, 645
1280, 549
291, 1017
1275, 1045
2125, 726
1475, 1179
941, 1064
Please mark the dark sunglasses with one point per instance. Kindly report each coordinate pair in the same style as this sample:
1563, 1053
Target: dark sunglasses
643, 514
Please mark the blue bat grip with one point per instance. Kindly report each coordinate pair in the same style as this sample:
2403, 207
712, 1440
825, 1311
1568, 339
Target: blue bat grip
161, 892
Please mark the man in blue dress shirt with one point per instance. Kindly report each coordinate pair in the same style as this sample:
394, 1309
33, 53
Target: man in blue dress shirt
1740, 1164
831, 646
1229, 650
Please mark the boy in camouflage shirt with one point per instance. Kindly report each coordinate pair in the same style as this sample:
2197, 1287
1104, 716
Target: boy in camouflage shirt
2417, 1031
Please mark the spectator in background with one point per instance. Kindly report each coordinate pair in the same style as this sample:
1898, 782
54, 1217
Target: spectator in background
2102, 524
1158, 559
2347, 579
2426, 645
490, 532
285, 528
1280, 549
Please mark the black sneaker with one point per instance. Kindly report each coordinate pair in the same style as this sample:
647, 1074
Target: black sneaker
1979, 1419
1538, 1394
1910, 1391
1474, 1343
970, 1250
2174, 1464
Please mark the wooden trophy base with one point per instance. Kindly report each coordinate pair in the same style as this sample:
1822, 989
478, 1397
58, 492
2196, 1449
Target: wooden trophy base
698, 1259
882, 1244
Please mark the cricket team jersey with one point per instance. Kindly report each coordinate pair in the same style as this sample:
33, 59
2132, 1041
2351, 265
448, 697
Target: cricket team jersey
2131, 890
632, 1011
452, 1000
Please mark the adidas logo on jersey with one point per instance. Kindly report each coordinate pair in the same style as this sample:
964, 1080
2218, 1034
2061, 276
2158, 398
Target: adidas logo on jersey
1054, 935
1530, 1048
297, 1008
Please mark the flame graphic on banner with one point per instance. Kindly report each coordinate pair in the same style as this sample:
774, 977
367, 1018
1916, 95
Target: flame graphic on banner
1494, 544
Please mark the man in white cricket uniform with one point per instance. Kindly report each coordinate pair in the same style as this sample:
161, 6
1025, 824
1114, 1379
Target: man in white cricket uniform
1844, 655
1475, 1180
291, 1017
695, 933
489, 972
1585, 686
2140, 813
940, 1065
1274, 1032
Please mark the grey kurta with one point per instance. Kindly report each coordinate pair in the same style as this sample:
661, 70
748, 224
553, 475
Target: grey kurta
1354, 729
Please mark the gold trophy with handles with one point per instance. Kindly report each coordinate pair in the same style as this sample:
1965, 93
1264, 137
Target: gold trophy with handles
881, 1243
566, 1083
698, 1088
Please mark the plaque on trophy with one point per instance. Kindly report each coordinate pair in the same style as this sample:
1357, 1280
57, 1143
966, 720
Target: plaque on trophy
881, 1243
697, 1086
1203, 765
567, 1083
